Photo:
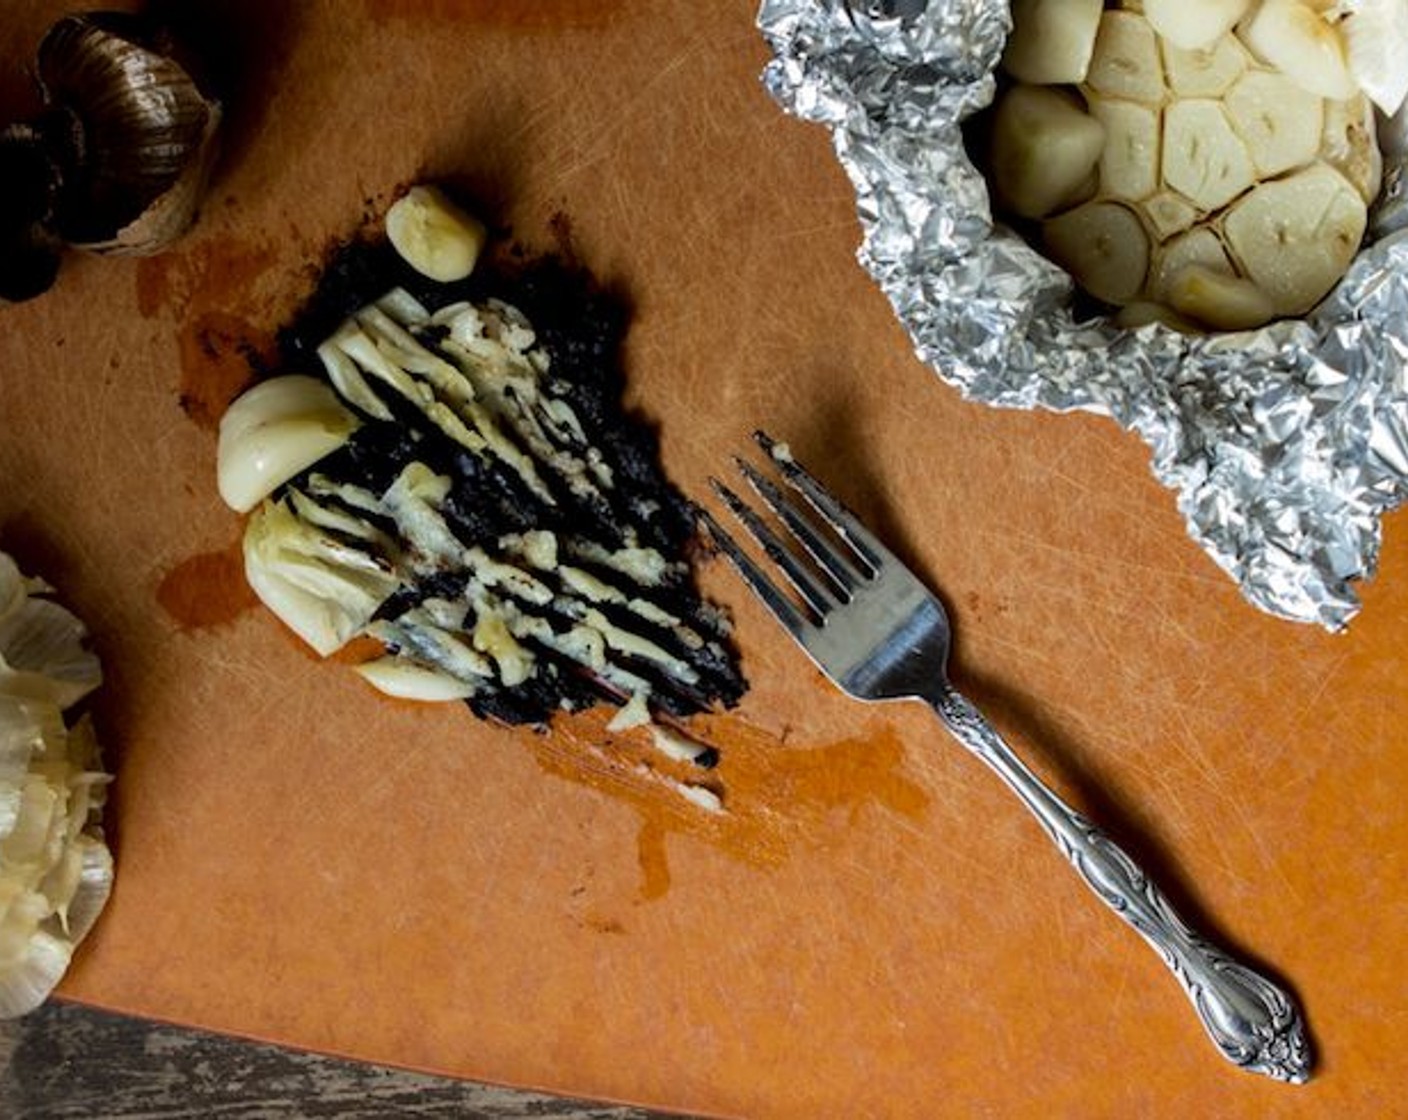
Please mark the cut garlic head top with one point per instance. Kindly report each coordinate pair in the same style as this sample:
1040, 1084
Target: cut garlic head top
1233, 139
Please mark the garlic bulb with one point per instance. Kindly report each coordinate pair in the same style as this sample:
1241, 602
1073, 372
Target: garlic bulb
55, 869
1213, 162
142, 133
117, 162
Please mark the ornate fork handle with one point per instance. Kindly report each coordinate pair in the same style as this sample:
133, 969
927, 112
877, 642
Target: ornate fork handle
1251, 1020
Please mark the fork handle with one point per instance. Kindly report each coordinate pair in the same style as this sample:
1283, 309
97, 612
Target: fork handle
1251, 1020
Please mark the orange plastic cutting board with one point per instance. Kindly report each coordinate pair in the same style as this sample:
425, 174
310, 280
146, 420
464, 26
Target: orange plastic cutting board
875, 928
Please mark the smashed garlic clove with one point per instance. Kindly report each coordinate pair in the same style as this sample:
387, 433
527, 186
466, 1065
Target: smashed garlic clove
1052, 40
275, 431
405, 680
433, 235
323, 591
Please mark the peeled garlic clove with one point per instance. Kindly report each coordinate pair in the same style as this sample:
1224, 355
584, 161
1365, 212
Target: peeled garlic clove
1301, 43
1044, 149
1103, 246
1052, 40
395, 676
1280, 122
144, 133
1296, 236
276, 430
433, 235
1376, 45
1219, 301
1125, 62
1350, 144
1204, 159
1194, 24
1129, 162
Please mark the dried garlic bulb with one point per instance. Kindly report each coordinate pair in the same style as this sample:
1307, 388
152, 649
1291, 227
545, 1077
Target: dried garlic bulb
1206, 163
55, 869
118, 161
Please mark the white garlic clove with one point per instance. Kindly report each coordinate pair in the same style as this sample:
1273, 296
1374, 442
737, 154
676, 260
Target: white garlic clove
1280, 122
1209, 72
1296, 236
1204, 159
1052, 40
1291, 37
277, 430
1129, 163
1103, 246
1199, 248
433, 235
1376, 45
1125, 63
1350, 144
1219, 301
1194, 24
1044, 150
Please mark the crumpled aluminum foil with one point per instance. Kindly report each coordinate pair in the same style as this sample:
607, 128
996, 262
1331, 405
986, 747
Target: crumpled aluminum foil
1285, 445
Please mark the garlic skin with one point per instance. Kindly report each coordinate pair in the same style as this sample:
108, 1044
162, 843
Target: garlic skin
276, 430
55, 869
140, 133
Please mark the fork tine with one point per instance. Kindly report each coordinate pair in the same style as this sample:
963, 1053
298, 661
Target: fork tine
868, 550
811, 592
782, 608
842, 575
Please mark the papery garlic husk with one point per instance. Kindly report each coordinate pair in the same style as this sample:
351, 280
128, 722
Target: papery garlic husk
55, 868
143, 133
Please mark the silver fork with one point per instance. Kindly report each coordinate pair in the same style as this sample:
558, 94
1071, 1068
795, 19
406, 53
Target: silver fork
879, 634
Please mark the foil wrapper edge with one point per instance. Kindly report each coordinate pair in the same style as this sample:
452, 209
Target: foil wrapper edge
1284, 446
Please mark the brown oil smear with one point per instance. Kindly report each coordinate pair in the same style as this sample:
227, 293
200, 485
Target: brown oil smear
509, 15
220, 354
776, 795
211, 292
206, 590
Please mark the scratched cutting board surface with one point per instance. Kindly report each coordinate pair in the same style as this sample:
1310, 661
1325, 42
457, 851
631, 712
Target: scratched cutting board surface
875, 928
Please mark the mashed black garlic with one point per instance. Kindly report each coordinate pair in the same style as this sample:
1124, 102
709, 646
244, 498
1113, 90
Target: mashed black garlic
451, 474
